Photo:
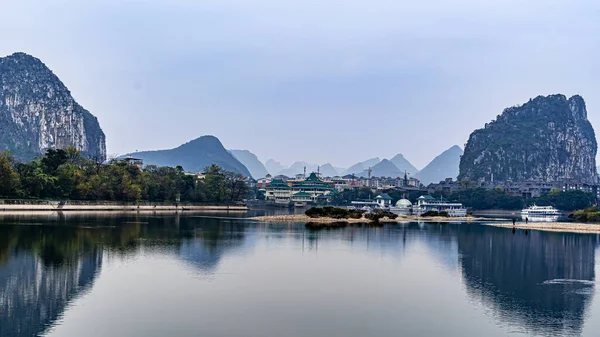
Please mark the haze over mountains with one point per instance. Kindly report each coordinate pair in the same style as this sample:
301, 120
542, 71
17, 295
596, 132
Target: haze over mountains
360, 167
37, 112
249, 159
441, 167
403, 164
384, 168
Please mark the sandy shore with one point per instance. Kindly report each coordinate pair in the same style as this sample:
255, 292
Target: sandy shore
305, 218
567, 227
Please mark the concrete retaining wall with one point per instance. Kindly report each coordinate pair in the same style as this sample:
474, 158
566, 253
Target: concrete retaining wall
45, 205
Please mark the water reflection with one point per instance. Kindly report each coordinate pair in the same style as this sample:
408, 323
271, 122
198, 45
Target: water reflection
542, 283
40, 272
539, 283
48, 260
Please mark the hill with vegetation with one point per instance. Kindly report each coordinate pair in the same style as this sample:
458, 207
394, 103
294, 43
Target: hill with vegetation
66, 175
548, 138
194, 156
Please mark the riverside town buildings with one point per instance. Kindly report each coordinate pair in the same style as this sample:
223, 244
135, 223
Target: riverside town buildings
311, 189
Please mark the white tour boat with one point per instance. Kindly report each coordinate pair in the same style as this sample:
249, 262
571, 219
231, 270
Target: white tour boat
540, 213
426, 203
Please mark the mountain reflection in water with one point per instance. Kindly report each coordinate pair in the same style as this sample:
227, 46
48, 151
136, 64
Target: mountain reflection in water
541, 283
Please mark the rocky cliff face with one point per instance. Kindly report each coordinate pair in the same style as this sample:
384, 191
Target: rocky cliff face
546, 139
37, 112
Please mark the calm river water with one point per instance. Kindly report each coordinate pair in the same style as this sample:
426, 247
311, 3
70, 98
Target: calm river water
189, 275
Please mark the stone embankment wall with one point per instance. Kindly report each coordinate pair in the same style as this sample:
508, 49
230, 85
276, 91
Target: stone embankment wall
50, 205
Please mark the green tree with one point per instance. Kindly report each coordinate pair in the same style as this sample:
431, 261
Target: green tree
9, 178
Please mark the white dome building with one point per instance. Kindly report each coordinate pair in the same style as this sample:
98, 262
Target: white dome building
403, 207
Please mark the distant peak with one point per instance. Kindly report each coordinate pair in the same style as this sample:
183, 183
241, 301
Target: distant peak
455, 148
20, 56
205, 140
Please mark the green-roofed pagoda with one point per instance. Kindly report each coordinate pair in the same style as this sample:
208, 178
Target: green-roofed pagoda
312, 189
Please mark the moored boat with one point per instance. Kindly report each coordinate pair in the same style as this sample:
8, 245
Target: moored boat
427, 203
540, 213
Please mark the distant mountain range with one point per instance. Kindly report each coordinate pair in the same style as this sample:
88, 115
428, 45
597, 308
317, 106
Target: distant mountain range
249, 159
274, 167
384, 168
326, 170
441, 167
297, 168
195, 156
403, 164
358, 168
394, 167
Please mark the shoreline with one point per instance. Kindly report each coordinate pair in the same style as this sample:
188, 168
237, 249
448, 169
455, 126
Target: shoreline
400, 219
563, 227
104, 206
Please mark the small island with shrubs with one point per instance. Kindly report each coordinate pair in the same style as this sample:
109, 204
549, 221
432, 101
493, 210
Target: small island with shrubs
329, 216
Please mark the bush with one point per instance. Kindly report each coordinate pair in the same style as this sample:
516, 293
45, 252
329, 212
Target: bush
590, 214
435, 213
378, 214
333, 212
431, 213
355, 214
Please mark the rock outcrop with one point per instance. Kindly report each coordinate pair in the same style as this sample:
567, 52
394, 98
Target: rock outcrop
546, 139
37, 112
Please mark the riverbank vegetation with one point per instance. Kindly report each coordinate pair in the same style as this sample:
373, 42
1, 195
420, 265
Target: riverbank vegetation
333, 212
342, 213
435, 213
378, 214
590, 214
66, 174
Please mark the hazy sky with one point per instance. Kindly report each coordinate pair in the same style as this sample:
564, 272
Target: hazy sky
320, 81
